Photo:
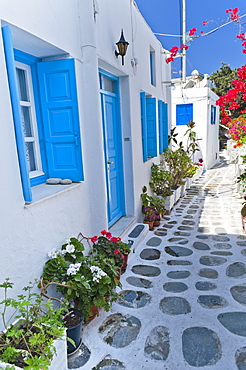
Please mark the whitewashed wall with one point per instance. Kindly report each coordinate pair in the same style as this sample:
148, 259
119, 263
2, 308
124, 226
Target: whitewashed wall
202, 99
48, 28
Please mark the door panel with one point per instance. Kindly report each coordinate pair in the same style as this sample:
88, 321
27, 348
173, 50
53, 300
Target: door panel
113, 156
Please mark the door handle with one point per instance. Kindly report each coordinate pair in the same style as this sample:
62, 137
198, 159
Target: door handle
111, 162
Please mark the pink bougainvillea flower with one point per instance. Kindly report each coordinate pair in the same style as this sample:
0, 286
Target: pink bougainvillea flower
122, 256
174, 49
184, 47
192, 31
168, 60
117, 251
94, 239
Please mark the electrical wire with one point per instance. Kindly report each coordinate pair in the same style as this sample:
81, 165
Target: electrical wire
204, 34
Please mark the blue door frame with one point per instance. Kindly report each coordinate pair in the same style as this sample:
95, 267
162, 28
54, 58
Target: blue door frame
109, 90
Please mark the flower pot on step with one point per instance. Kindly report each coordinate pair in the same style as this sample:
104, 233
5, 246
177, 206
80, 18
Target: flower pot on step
74, 332
150, 223
169, 202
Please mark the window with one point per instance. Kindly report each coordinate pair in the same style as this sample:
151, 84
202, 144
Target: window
148, 120
28, 118
163, 125
213, 114
184, 114
152, 67
45, 115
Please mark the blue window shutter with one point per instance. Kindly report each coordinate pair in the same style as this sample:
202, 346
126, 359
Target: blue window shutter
165, 125
213, 114
15, 102
59, 106
144, 125
151, 69
160, 123
184, 114
151, 127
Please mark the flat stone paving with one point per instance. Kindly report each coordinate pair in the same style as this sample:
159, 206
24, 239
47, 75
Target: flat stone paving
183, 302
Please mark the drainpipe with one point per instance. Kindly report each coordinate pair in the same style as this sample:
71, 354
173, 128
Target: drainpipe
184, 40
91, 118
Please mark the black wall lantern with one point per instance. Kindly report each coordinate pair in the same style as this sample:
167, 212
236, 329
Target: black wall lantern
122, 45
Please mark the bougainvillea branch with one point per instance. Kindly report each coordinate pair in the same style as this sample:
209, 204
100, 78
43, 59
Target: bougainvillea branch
233, 16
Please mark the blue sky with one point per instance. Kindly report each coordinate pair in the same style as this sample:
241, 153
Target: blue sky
205, 53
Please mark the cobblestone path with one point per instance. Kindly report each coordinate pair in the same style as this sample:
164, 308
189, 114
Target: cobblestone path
184, 292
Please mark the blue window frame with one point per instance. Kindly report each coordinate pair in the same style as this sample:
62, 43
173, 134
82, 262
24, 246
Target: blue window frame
163, 125
54, 150
152, 67
184, 114
148, 121
213, 114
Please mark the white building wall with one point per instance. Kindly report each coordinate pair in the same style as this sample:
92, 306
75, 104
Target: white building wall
202, 98
29, 231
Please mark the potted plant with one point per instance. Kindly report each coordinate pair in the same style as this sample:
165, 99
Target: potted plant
72, 318
161, 181
243, 216
110, 247
156, 202
86, 281
177, 162
30, 341
149, 216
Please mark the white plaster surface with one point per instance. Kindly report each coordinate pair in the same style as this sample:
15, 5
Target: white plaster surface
221, 185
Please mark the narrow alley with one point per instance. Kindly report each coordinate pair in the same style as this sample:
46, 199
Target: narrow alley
184, 290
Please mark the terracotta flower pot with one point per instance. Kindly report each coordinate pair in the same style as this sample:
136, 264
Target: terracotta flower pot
94, 311
124, 266
150, 223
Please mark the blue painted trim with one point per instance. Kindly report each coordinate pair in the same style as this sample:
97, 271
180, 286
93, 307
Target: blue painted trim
160, 123
165, 125
121, 195
25, 57
213, 114
144, 125
10, 64
152, 81
184, 114
151, 127
108, 74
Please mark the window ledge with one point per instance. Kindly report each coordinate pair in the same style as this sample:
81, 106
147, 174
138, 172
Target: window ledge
43, 191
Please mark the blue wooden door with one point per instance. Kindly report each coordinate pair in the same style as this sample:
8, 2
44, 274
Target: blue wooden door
113, 148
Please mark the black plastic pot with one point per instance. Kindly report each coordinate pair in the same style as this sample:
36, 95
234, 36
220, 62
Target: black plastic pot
75, 333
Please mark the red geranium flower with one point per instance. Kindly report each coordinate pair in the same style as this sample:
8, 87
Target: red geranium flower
115, 240
117, 251
94, 239
104, 232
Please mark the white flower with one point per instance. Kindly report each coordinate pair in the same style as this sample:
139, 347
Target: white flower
70, 248
71, 271
53, 253
77, 265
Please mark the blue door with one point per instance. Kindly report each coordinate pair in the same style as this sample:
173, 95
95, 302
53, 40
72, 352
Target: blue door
112, 147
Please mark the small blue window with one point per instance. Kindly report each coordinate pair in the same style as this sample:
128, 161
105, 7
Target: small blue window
184, 114
45, 114
152, 67
213, 114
